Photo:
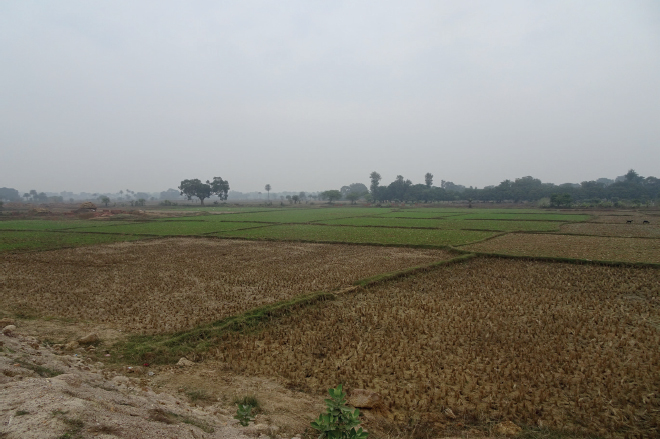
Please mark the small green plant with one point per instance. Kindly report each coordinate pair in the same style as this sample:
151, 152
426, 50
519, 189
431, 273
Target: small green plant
340, 420
244, 414
250, 400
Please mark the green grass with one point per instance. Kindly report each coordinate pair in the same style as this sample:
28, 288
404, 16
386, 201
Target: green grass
26, 241
447, 224
40, 370
172, 227
212, 208
48, 224
298, 215
364, 235
422, 213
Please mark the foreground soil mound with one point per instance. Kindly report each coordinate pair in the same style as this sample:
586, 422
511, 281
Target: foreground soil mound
43, 394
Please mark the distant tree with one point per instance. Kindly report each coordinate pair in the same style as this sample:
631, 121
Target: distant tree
9, 194
26, 196
302, 196
268, 190
358, 188
219, 187
295, 198
140, 202
633, 177
332, 195
105, 200
561, 200
375, 180
428, 179
353, 197
170, 194
195, 188
288, 197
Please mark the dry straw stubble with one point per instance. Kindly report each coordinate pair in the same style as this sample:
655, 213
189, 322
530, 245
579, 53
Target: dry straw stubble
174, 284
562, 345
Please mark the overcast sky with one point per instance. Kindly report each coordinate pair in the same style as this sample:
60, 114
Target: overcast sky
99, 96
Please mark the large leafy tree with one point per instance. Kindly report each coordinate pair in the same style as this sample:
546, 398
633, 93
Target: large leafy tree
331, 195
219, 187
196, 188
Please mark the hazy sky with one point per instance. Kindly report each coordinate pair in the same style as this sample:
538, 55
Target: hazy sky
99, 96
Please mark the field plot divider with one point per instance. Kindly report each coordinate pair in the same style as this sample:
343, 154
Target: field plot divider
236, 230
586, 234
568, 260
169, 348
386, 277
496, 235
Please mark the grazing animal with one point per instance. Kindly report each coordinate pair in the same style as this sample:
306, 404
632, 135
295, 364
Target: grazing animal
646, 222
629, 222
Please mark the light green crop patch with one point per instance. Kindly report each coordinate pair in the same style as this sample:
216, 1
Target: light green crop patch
173, 228
362, 235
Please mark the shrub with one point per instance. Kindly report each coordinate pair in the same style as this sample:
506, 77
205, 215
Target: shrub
340, 421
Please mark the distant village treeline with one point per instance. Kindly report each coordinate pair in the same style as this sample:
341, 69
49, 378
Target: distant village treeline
628, 188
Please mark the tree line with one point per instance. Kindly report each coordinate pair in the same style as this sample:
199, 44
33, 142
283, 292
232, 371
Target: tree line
632, 187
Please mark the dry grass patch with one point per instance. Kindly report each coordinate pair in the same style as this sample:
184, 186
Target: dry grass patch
620, 230
567, 246
620, 217
559, 345
175, 284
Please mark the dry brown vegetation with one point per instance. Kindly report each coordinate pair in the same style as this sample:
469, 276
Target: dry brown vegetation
620, 230
174, 284
549, 344
572, 246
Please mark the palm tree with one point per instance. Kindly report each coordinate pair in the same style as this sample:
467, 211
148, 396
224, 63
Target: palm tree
268, 190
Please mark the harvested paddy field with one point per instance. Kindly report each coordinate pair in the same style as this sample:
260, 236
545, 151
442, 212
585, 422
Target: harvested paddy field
572, 246
620, 230
623, 217
552, 344
173, 284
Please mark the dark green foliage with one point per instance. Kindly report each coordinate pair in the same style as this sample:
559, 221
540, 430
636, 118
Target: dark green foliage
244, 414
339, 421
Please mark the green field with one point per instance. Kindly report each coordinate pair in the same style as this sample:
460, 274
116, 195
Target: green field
48, 224
363, 235
24, 241
217, 209
447, 224
171, 228
348, 224
295, 215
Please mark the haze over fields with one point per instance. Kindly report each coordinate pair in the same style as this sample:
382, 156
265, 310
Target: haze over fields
100, 96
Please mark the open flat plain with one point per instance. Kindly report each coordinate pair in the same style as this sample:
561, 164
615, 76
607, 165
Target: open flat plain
414, 303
